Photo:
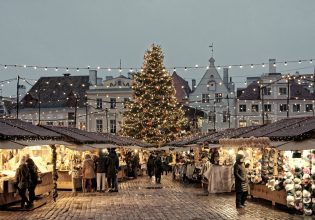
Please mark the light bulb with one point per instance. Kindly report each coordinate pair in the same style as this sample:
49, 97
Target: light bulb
78, 69
46, 68
5, 66
251, 66
24, 66
263, 65
56, 68
241, 66
285, 63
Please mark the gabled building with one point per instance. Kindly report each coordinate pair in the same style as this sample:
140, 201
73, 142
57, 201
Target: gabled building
216, 98
57, 100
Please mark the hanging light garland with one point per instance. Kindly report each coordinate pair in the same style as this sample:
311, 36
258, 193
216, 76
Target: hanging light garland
131, 69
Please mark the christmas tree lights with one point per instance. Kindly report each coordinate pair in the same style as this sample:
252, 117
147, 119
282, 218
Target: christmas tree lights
154, 115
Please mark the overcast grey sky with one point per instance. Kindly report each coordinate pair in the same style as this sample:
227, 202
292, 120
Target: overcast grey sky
100, 32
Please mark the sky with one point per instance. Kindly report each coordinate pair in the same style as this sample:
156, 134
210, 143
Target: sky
101, 32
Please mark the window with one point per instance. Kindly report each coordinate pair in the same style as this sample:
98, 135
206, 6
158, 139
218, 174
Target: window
242, 108
296, 107
211, 86
266, 91
242, 123
205, 98
112, 102
99, 125
255, 108
49, 123
255, 122
71, 124
225, 116
113, 126
119, 83
99, 103
309, 107
61, 123
82, 125
126, 100
283, 107
212, 117
70, 115
282, 91
267, 107
218, 97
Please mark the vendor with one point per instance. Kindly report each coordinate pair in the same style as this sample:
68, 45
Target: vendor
241, 182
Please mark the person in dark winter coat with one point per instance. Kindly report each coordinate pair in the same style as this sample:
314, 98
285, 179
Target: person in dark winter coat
150, 166
101, 170
241, 182
113, 167
158, 169
33, 178
22, 181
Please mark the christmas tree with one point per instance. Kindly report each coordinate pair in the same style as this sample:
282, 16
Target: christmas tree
153, 115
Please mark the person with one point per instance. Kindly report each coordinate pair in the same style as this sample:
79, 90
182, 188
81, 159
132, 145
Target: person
33, 170
101, 170
88, 172
241, 182
150, 166
94, 184
158, 169
113, 167
22, 181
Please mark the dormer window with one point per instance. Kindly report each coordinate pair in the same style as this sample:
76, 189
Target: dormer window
119, 83
211, 76
211, 86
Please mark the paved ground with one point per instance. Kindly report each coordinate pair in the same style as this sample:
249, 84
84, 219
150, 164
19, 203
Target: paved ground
136, 201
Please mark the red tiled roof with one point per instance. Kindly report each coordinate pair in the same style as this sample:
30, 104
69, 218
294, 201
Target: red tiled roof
181, 86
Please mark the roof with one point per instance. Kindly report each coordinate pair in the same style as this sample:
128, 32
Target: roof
57, 91
13, 128
181, 86
252, 92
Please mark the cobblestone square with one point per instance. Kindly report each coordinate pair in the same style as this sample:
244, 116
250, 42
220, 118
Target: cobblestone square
137, 199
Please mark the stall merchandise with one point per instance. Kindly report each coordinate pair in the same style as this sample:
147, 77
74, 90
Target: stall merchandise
9, 161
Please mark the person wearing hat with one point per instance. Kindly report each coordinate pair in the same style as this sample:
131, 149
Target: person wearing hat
241, 182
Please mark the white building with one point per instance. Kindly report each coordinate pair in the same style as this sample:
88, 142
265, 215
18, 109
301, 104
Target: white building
273, 97
216, 97
107, 103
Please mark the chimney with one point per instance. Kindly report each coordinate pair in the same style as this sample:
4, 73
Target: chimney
272, 66
225, 76
92, 77
193, 84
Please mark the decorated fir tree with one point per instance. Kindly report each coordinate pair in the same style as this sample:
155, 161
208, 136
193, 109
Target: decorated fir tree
153, 115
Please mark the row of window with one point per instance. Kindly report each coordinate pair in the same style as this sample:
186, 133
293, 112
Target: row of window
99, 103
112, 125
267, 91
212, 116
282, 107
206, 98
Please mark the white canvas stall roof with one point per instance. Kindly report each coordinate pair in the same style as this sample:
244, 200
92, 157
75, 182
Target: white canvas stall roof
41, 142
10, 145
278, 143
101, 146
80, 148
134, 147
308, 144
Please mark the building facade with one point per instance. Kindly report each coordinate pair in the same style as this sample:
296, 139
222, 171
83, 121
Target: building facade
216, 98
275, 96
106, 102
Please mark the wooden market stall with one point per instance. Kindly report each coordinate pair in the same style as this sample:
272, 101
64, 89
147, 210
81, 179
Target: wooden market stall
18, 138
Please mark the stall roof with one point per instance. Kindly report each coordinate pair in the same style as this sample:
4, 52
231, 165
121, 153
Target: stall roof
10, 145
41, 142
294, 130
133, 141
188, 140
8, 131
70, 134
36, 130
270, 129
308, 144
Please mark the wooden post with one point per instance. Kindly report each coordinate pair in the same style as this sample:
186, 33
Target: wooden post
55, 172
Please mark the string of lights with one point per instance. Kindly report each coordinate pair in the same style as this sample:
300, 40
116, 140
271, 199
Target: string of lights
132, 69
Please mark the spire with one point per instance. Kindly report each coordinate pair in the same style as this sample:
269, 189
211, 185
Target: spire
211, 60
